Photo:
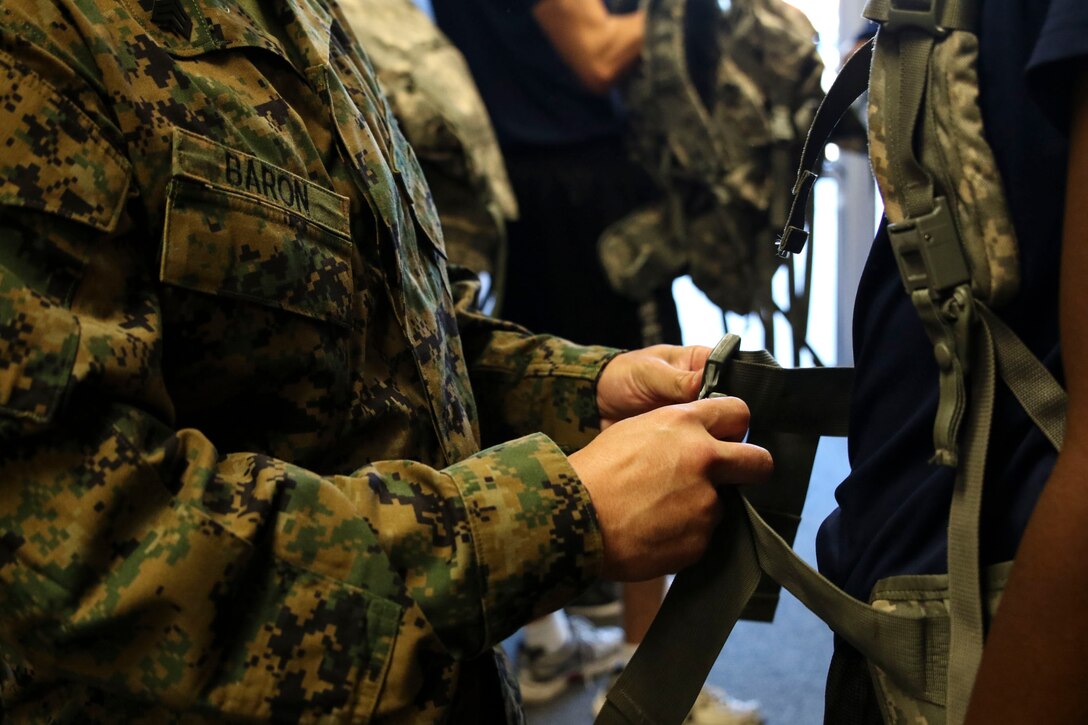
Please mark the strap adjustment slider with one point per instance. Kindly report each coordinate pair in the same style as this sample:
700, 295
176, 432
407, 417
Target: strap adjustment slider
928, 251
919, 15
793, 238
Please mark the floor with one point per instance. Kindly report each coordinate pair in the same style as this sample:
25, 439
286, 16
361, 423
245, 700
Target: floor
783, 664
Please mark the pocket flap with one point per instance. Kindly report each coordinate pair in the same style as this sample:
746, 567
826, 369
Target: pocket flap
204, 160
55, 158
284, 245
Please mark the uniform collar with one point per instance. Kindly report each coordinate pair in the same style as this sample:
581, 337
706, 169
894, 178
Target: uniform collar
306, 25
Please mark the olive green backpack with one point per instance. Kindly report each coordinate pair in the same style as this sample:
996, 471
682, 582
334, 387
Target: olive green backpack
718, 108
951, 234
437, 105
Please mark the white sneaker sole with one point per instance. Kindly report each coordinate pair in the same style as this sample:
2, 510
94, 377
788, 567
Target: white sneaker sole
534, 692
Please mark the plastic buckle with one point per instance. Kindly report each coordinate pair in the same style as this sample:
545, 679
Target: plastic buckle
923, 15
715, 365
792, 241
928, 251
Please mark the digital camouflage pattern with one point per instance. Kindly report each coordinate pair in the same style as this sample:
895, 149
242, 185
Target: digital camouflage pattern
952, 147
925, 596
241, 474
434, 98
724, 147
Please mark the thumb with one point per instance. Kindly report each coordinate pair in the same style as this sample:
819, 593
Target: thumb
691, 365
667, 384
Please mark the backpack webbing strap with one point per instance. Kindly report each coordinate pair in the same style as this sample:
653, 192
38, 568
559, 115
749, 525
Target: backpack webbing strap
1042, 398
927, 245
999, 350
790, 408
706, 600
812, 401
849, 84
965, 605
663, 678
939, 14
933, 266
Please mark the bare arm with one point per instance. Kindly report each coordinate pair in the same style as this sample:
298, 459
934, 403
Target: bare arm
597, 45
1034, 666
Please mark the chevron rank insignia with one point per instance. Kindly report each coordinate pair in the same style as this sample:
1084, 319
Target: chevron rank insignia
170, 15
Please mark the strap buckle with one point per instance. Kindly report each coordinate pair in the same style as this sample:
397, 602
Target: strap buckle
792, 239
716, 363
922, 15
928, 251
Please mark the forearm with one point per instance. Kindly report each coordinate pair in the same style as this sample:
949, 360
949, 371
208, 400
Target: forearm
1033, 665
134, 548
476, 542
597, 45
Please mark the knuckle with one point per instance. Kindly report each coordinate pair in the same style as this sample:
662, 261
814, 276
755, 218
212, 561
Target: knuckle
740, 411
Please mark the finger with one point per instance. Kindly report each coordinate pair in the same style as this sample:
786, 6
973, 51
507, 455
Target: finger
697, 357
725, 418
688, 357
662, 382
740, 464
694, 363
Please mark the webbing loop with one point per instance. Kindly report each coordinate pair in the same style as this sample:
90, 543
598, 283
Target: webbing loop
939, 15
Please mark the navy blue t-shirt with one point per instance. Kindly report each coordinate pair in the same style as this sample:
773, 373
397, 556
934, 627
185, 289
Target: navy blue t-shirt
532, 96
893, 507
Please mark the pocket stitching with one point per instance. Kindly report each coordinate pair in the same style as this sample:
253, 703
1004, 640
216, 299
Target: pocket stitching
169, 260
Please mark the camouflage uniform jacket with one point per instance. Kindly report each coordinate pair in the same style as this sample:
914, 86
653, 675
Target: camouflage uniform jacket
240, 465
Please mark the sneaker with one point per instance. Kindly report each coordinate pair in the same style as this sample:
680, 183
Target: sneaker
712, 707
591, 651
600, 603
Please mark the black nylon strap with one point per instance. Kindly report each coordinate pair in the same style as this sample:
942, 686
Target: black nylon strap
851, 82
812, 401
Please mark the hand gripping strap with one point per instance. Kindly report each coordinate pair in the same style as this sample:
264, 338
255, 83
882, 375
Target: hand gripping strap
706, 600
790, 409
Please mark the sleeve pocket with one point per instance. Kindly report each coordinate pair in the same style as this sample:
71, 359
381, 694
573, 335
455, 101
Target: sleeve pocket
55, 159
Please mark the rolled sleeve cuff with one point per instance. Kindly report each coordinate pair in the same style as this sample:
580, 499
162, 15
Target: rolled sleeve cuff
534, 528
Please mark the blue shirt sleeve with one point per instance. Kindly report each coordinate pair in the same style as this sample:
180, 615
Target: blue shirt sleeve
1062, 44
